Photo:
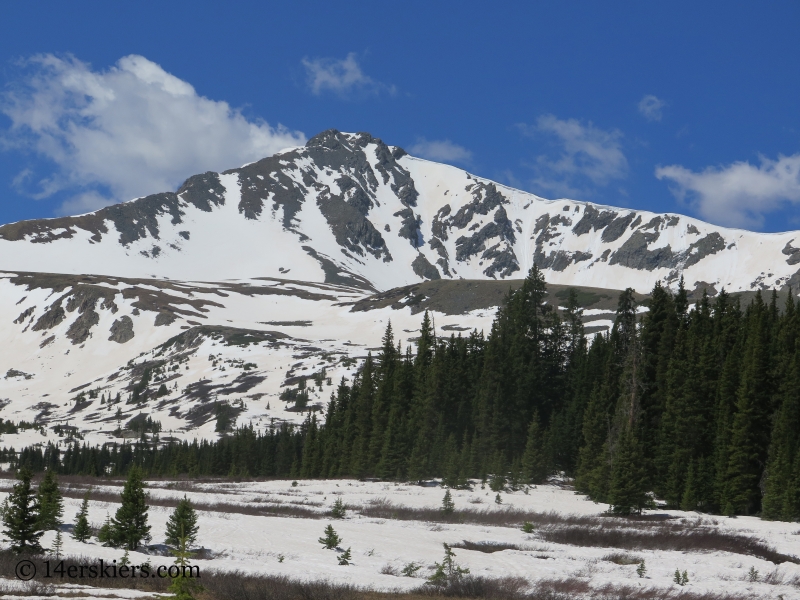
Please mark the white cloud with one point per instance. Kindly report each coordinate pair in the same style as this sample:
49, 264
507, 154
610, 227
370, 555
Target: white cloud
440, 151
652, 107
343, 77
740, 194
131, 130
585, 153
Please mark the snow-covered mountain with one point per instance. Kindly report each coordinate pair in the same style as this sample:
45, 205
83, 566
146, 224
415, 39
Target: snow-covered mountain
216, 300
348, 209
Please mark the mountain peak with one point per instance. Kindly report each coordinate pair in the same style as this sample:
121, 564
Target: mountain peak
347, 208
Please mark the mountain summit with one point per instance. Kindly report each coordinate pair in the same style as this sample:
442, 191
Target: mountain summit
347, 209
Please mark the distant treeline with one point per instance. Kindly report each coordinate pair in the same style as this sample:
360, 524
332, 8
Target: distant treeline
698, 406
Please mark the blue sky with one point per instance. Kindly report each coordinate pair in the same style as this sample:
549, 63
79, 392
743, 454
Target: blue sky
682, 106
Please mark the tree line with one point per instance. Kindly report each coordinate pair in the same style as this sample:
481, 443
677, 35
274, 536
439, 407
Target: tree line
698, 406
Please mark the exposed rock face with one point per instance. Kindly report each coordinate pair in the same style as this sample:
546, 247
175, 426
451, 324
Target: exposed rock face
122, 329
425, 269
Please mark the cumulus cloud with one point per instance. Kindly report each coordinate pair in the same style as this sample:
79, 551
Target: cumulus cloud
584, 154
343, 77
740, 194
128, 131
440, 151
651, 107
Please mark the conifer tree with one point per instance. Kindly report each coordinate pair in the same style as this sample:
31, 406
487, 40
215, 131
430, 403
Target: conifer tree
534, 463
21, 517
749, 430
628, 490
81, 531
779, 487
331, 539
448, 506
130, 526
182, 523
51, 504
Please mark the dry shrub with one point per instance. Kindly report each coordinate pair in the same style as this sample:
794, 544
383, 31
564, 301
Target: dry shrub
665, 537
473, 586
488, 547
620, 558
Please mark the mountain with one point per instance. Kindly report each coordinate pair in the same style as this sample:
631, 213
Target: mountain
216, 305
348, 209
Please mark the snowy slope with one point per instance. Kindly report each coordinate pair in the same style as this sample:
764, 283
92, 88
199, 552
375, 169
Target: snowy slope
73, 343
350, 210
243, 541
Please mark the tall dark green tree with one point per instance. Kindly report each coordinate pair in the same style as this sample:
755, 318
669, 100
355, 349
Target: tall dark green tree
129, 525
81, 531
51, 504
182, 523
21, 517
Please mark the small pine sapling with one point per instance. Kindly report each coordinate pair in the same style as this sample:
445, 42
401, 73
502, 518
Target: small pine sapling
447, 571
410, 570
641, 570
126, 559
338, 511
752, 575
82, 531
498, 499
528, 527
182, 587
58, 545
345, 558
448, 506
684, 578
106, 534
331, 539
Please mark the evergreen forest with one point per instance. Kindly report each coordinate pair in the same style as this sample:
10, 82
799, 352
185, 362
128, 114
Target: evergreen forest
694, 406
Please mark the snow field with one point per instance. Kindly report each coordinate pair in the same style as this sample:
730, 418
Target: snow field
255, 544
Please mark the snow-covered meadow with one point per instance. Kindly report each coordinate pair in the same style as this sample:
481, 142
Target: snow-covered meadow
273, 527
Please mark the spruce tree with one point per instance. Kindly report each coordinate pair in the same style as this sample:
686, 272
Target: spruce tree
58, 544
81, 531
628, 490
182, 523
51, 504
534, 462
21, 517
749, 431
130, 526
448, 506
331, 539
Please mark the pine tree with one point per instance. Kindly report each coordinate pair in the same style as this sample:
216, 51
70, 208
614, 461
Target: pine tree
58, 544
183, 587
130, 526
534, 462
82, 531
51, 504
331, 539
345, 558
21, 518
106, 534
628, 491
749, 430
448, 506
338, 511
182, 523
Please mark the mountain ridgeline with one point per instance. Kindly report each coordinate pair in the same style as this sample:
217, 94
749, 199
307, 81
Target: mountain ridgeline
349, 209
696, 405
